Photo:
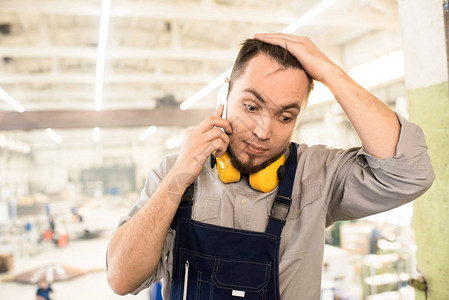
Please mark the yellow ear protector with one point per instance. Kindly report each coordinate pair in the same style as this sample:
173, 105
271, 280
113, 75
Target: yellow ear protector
264, 180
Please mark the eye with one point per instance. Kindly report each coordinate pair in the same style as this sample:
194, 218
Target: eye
285, 119
250, 107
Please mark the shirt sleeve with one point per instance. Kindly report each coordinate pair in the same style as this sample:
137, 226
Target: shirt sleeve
164, 266
366, 185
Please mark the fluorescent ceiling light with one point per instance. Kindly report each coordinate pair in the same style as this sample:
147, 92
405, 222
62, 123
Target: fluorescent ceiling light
101, 53
380, 70
289, 29
369, 74
96, 134
144, 135
53, 135
11, 101
308, 16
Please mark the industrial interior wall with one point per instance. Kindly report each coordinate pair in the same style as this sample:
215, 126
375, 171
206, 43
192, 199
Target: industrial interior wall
429, 107
426, 82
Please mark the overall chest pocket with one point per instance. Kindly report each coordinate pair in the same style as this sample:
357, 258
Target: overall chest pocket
211, 277
243, 279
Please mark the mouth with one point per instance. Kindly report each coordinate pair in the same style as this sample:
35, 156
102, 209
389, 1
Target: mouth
254, 149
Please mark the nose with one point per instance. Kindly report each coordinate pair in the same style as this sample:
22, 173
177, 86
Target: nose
263, 128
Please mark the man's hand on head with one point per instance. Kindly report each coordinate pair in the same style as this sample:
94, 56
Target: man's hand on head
375, 123
314, 61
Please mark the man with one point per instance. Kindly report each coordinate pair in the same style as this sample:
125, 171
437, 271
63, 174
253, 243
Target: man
239, 241
44, 291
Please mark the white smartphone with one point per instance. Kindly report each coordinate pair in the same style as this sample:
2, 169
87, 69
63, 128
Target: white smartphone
222, 98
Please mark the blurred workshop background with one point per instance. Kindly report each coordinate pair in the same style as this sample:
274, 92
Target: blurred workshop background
95, 92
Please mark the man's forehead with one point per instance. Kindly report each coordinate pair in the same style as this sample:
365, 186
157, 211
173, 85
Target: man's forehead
263, 65
280, 86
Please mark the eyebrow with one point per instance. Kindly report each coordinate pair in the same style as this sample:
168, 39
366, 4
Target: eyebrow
262, 100
255, 94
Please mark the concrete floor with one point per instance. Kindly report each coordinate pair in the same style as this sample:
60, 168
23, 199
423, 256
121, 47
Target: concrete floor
88, 255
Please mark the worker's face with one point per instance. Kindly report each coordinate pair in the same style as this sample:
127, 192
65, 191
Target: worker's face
264, 108
43, 284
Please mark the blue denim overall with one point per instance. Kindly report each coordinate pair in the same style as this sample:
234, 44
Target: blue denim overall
214, 262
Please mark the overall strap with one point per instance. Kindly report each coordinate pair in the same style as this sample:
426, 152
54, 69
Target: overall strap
283, 199
185, 207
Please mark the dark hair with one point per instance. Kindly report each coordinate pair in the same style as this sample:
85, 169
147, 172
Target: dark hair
251, 47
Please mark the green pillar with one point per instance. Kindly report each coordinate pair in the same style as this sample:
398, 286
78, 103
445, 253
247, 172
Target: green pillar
427, 89
429, 107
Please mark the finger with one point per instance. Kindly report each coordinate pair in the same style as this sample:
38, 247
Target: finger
279, 39
289, 37
219, 111
222, 146
225, 125
213, 134
214, 121
274, 40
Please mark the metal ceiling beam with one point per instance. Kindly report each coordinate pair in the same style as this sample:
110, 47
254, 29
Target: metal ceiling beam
369, 22
59, 78
192, 13
118, 53
386, 7
88, 119
54, 94
363, 18
150, 10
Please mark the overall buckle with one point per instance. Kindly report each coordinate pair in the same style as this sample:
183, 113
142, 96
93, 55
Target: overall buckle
281, 208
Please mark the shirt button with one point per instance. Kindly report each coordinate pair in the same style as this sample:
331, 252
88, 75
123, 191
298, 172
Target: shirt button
243, 201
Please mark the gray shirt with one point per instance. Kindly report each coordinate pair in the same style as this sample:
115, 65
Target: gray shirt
330, 185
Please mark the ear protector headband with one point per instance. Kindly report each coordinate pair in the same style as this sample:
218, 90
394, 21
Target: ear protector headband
264, 180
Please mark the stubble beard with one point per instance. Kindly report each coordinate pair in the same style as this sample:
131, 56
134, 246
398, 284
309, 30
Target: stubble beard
249, 167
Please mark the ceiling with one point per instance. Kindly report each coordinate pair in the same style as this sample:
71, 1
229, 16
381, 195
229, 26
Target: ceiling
158, 54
